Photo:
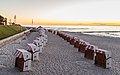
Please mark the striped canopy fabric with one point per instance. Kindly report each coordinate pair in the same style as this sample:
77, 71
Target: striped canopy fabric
18, 54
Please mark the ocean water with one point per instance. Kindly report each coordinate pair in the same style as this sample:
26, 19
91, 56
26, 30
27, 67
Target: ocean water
109, 31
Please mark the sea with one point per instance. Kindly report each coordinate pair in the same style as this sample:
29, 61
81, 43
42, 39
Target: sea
108, 31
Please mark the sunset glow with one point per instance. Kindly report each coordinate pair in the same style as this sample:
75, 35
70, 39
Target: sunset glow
62, 11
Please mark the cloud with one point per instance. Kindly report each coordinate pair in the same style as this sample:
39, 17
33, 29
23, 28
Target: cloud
87, 11
69, 10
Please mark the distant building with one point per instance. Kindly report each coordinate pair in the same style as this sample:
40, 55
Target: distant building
3, 21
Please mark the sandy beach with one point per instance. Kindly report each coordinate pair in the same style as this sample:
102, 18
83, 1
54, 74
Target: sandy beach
61, 58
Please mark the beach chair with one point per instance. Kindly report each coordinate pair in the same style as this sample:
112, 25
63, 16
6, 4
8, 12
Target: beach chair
60, 34
23, 60
45, 40
90, 52
72, 40
68, 38
82, 46
76, 42
65, 37
49, 30
76, 45
42, 39
39, 44
41, 30
34, 50
55, 32
103, 58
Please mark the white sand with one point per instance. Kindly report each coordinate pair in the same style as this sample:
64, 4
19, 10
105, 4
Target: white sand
61, 58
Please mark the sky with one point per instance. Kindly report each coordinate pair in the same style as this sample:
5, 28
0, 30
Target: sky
49, 11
